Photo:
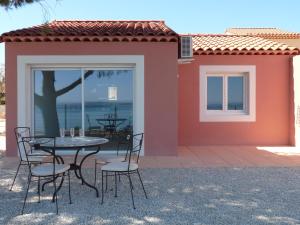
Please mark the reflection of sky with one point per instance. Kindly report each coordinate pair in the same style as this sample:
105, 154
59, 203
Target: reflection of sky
96, 88
214, 92
235, 90
63, 78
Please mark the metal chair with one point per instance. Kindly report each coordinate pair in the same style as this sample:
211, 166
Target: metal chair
46, 171
127, 168
33, 156
104, 158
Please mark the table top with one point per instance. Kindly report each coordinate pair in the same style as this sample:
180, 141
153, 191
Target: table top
70, 142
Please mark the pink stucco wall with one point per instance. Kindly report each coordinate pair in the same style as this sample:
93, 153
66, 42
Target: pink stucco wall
273, 124
160, 85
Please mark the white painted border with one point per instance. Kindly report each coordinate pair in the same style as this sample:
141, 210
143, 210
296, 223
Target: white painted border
205, 116
296, 89
24, 84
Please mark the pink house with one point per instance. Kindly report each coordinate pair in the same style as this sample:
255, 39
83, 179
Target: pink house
177, 89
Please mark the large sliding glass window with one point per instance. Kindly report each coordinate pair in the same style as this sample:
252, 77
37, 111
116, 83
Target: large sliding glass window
98, 100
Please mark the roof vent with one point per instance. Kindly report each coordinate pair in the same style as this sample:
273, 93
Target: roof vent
186, 47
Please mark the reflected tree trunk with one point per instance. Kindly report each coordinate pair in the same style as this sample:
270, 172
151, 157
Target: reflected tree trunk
47, 104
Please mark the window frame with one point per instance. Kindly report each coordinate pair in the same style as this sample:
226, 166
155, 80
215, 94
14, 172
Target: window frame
25, 64
248, 114
82, 70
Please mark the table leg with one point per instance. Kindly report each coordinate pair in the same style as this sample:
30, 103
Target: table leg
75, 164
80, 168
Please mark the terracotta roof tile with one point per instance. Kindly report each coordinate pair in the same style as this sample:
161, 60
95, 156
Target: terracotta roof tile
274, 33
223, 44
94, 31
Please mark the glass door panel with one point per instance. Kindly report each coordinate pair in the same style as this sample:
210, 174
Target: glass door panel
108, 104
57, 101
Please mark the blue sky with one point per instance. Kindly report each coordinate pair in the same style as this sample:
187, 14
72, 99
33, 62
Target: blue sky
188, 16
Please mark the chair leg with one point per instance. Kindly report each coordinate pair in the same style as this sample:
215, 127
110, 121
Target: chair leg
69, 186
15, 176
131, 187
56, 204
29, 181
142, 183
116, 195
102, 186
106, 175
95, 179
39, 189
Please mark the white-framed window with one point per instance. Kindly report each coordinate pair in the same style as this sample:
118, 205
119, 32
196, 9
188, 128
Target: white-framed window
28, 66
227, 93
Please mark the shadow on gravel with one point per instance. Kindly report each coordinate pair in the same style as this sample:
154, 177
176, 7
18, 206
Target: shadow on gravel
176, 196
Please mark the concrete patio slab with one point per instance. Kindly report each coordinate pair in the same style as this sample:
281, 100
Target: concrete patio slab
211, 157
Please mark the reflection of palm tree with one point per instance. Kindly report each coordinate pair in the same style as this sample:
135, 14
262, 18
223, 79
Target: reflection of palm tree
47, 101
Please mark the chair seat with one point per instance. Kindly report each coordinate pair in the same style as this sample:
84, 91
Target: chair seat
33, 158
109, 158
47, 169
119, 167
40, 153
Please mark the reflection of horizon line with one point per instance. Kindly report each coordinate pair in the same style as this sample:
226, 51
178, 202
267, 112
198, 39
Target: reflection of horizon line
102, 101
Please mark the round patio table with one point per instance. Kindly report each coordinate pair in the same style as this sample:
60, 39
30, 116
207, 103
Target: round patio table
73, 143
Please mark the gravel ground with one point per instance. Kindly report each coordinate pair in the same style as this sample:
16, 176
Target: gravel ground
176, 196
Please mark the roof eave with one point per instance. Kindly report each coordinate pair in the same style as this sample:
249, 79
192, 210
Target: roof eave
163, 38
250, 52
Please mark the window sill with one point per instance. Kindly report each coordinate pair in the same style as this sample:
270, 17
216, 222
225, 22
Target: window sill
234, 117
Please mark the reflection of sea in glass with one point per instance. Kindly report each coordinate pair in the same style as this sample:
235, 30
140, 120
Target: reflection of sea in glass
214, 93
235, 93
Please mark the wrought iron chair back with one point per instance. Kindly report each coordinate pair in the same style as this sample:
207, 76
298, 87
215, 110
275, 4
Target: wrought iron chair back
27, 144
20, 133
135, 147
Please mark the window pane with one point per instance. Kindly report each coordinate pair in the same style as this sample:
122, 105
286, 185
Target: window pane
109, 104
235, 93
214, 93
57, 101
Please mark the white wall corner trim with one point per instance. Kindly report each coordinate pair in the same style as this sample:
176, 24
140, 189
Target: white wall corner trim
227, 116
296, 88
25, 63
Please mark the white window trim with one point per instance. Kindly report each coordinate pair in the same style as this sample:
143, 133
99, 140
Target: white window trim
25, 63
230, 116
